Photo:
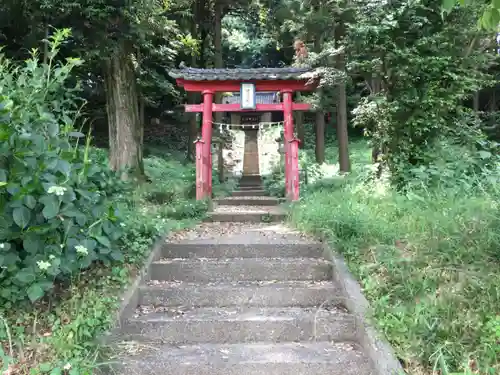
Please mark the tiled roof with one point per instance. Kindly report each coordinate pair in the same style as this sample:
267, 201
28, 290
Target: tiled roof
262, 97
265, 74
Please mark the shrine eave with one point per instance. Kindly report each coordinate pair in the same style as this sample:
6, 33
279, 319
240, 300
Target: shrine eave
251, 74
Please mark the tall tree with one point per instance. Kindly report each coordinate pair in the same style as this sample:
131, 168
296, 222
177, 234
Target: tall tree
319, 122
342, 134
426, 80
108, 35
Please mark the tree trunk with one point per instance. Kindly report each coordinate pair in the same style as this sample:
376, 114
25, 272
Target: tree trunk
376, 87
125, 151
142, 112
342, 135
493, 100
320, 137
493, 106
192, 97
475, 101
192, 128
220, 160
46, 46
320, 117
202, 11
142, 123
218, 62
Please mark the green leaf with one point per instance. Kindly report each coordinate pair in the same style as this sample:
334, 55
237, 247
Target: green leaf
89, 244
85, 194
117, 255
103, 240
45, 367
64, 167
53, 129
486, 19
71, 211
26, 180
496, 4
495, 16
30, 201
104, 250
484, 154
26, 276
13, 189
448, 5
33, 244
76, 135
31, 162
21, 216
35, 292
52, 163
51, 208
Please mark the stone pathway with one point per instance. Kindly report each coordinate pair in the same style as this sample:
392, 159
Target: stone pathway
241, 298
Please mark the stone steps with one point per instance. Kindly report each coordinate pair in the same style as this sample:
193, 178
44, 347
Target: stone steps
232, 325
234, 269
250, 187
248, 201
241, 293
248, 204
249, 193
230, 250
255, 299
246, 217
317, 358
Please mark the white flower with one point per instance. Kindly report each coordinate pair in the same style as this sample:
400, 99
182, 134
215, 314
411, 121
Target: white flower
57, 190
67, 366
52, 257
81, 250
43, 265
2, 246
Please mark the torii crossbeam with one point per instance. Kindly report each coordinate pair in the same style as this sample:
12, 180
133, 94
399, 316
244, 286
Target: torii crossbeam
247, 81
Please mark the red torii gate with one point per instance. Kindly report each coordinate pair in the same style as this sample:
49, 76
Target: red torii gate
209, 81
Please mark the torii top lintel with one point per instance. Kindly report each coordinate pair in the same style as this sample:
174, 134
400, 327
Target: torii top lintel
229, 80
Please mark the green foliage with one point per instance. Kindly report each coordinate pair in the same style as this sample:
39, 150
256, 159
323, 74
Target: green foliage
427, 260
489, 19
274, 184
426, 68
65, 329
57, 218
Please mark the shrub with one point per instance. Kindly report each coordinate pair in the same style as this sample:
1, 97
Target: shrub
57, 218
185, 209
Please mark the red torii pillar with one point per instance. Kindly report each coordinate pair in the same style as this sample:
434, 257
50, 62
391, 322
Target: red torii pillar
288, 135
206, 135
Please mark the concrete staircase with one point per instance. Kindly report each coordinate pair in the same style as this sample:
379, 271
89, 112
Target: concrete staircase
248, 203
241, 299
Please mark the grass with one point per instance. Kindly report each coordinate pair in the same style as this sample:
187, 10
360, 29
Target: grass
428, 262
58, 335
